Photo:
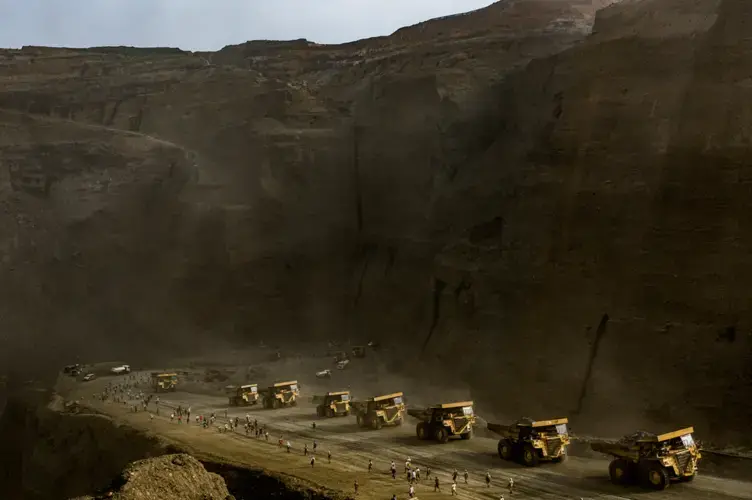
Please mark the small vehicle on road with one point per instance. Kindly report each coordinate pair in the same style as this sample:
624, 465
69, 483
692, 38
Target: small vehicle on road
72, 370
121, 370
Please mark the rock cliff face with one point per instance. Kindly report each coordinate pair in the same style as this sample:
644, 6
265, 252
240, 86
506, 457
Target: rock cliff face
482, 189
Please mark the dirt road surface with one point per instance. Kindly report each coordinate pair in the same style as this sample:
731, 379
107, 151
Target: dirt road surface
352, 447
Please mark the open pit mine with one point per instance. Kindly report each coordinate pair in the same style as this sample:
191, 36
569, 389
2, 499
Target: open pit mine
503, 254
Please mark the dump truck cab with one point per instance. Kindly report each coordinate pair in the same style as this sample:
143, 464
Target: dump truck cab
164, 382
378, 411
531, 441
281, 394
243, 395
441, 421
334, 404
652, 460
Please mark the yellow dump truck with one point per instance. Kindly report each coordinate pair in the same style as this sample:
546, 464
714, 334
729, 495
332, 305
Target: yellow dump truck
376, 412
243, 395
530, 441
333, 404
281, 394
164, 382
652, 460
441, 421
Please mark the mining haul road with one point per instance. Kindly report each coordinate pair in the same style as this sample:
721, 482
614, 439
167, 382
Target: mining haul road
352, 447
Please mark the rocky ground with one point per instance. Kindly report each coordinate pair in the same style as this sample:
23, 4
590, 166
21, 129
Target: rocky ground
555, 217
583, 475
131, 454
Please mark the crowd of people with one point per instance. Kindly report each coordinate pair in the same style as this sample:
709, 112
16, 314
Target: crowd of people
129, 391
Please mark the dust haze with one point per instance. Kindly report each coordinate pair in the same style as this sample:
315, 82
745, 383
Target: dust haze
472, 193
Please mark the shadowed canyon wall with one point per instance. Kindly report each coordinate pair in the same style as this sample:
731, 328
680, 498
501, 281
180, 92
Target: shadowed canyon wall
478, 191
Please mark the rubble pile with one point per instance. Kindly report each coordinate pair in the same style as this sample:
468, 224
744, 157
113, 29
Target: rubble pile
169, 477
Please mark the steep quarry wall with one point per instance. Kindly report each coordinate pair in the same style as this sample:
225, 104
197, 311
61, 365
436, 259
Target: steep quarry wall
81, 205
495, 193
632, 202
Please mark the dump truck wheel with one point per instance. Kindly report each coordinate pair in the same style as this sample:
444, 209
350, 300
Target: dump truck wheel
398, 422
529, 455
620, 471
467, 435
329, 412
318, 411
376, 423
420, 430
505, 449
654, 476
359, 419
294, 402
275, 403
441, 435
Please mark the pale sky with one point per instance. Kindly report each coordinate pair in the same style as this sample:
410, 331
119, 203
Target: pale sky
209, 24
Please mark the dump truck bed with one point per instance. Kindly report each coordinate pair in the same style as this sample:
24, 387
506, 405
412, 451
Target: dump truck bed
459, 404
549, 423
420, 413
388, 396
289, 382
667, 436
499, 428
615, 449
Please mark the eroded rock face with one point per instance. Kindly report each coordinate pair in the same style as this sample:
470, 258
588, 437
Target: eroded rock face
480, 190
632, 202
308, 160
